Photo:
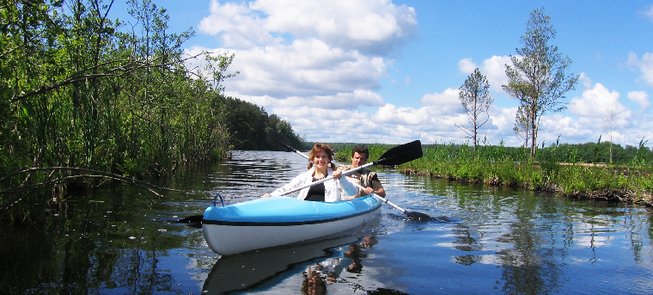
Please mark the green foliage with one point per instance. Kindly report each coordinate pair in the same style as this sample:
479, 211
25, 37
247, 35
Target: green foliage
506, 166
596, 152
557, 168
80, 90
251, 128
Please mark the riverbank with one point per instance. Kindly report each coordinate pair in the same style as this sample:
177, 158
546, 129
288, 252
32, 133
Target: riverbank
622, 195
610, 183
562, 169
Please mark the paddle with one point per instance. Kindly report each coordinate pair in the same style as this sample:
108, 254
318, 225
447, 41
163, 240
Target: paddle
196, 220
409, 214
289, 148
412, 215
193, 220
394, 156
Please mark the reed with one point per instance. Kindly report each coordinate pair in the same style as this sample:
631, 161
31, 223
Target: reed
549, 172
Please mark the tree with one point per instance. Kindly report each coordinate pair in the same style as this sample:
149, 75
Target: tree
475, 98
610, 126
537, 76
522, 127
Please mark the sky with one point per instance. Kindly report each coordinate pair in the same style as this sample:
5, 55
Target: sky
382, 71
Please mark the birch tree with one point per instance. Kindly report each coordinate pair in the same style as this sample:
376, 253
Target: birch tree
537, 76
475, 98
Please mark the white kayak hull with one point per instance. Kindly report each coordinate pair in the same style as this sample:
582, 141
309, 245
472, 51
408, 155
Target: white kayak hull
245, 227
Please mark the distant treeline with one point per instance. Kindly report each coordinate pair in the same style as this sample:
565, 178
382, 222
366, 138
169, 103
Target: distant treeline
251, 128
78, 89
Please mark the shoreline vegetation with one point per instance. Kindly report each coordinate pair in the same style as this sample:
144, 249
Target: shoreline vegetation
579, 171
86, 100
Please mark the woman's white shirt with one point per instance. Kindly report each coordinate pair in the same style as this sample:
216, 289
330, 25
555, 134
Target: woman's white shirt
332, 187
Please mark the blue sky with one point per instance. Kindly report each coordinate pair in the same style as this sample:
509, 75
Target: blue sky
389, 71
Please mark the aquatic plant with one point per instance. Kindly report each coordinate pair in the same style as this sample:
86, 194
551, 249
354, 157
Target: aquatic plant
557, 169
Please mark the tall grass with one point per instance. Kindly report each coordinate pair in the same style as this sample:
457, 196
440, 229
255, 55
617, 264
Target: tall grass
506, 166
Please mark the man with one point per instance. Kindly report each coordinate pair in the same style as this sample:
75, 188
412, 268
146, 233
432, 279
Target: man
365, 177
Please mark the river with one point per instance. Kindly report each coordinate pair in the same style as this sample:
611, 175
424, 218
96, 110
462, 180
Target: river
482, 240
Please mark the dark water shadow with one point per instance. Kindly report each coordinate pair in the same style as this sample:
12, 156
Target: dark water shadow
244, 271
430, 219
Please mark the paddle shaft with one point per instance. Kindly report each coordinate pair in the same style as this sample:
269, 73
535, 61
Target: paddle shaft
382, 199
345, 173
291, 148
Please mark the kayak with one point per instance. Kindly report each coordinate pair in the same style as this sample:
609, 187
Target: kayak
281, 220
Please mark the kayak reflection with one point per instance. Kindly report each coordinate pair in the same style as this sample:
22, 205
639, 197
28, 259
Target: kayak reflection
244, 271
329, 270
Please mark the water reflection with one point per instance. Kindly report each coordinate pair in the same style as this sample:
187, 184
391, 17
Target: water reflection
247, 270
322, 262
98, 243
541, 242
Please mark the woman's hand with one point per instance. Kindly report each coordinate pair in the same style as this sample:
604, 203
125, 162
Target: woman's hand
367, 191
265, 195
337, 174
347, 198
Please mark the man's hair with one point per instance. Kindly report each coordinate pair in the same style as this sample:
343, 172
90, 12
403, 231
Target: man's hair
361, 149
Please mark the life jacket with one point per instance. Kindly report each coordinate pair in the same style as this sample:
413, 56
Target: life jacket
366, 177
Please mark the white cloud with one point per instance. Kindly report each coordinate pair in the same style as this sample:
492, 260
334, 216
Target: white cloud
236, 24
499, 127
304, 68
392, 115
446, 102
567, 128
640, 98
597, 102
644, 65
599, 113
348, 100
648, 13
585, 80
313, 61
370, 26
494, 68
466, 66
503, 119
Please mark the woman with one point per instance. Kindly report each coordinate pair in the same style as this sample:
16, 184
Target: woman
319, 167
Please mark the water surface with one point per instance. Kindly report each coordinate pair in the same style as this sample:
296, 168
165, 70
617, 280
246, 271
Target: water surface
481, 241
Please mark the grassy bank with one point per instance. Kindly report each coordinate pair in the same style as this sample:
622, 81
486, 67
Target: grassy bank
630, 181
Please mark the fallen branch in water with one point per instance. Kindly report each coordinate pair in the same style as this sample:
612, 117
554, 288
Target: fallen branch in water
82, 173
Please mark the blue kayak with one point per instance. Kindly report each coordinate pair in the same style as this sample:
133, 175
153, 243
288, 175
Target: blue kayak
276, 221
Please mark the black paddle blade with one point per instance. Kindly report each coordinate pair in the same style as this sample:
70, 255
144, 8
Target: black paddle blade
417, 216
401, 154
194, 220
